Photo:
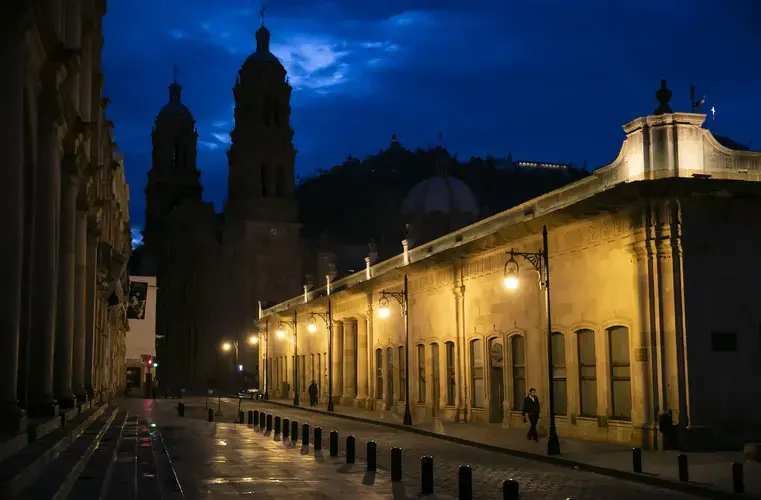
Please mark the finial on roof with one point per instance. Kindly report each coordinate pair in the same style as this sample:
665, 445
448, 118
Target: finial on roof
393, 137
175, 72
175, 89
664, 96
441, 139
261, 14
262, 35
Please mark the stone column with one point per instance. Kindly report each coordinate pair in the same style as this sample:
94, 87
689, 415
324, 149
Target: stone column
461, 398
370, 359
12, 212
64, 339
349, 361
80, 301
338, 341
45, 276
91, 292
362, 359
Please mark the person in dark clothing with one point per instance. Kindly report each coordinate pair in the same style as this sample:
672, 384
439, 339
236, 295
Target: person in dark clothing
531, 407
313, 393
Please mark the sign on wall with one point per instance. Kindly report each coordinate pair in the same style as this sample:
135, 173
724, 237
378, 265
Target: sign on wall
138, 293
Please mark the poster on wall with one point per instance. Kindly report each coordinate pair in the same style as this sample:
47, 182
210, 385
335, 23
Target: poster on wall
138, 293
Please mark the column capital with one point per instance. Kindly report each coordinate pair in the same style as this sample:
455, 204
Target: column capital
459, 291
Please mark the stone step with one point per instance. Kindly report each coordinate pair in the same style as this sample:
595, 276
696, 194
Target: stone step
94, 480
21, 469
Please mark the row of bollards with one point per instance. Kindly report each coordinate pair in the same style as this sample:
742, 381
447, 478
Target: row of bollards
738, 476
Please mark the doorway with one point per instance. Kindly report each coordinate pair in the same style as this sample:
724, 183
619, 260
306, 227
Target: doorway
390, 377
496, 381
435, 378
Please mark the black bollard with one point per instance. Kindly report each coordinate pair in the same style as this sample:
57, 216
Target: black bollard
396, 464
350, 450
256, 418
684, 474
277, 426
286, 428
250, 417
738, 481
241, 417
305, 435
211, 415
465, 482
372, 448
269, 422
317, 438
181, 409
333, 443
426, 475
294, 431
261, 421
510, 490
637, 459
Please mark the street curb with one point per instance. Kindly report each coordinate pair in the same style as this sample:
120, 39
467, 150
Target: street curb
691, 488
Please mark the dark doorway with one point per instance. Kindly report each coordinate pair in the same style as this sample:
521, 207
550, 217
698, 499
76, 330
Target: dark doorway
496, 381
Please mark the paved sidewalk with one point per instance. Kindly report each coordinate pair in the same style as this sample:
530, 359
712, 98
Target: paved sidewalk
712, 470
216, 460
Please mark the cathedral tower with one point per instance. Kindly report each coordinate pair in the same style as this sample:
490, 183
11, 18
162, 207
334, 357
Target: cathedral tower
261, 158
173, 177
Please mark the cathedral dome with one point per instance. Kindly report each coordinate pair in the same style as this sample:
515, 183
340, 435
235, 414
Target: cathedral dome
444, 194
262, 53
175, 110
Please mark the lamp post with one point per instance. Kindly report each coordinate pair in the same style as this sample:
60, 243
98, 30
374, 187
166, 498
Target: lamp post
384, 312
312, 327
266, 360
281, 334
541, 265
233, 346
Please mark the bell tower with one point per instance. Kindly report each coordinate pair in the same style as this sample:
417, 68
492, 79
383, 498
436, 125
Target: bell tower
173, 176
261, 158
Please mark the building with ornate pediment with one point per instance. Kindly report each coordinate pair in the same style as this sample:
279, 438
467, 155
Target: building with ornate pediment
654, 289
66, 227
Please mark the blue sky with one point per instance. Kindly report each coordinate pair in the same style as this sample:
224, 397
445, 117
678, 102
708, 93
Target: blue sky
544, 79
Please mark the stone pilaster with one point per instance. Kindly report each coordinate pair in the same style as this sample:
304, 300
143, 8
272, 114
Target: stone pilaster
371, 368
362, 362
91, 293
461, 400
338, 340
349, 361
64, 337
12, 213
45, 276
80, 301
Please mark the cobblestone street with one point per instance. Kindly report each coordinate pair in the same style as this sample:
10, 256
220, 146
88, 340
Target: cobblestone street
537, 480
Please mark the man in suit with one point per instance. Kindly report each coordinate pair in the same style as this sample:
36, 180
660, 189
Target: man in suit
531, 407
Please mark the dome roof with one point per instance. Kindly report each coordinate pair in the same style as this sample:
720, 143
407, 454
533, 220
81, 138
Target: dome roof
175, 109
443, 193
262, 53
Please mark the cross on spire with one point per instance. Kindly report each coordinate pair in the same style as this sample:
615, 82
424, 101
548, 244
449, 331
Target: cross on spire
261, 14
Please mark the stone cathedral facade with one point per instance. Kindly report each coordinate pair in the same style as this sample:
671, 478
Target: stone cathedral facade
213, 269
654, 293
66, 231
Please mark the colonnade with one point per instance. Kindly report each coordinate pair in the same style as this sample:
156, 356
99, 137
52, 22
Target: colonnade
64, 213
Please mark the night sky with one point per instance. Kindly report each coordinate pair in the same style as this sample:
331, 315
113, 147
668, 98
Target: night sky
546, 80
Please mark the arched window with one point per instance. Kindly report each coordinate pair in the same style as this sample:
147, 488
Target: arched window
558, 373
477, 394
421, 387
587, 373
265, 177
450, 373
402, 374
518, 361
378, 374
621, 390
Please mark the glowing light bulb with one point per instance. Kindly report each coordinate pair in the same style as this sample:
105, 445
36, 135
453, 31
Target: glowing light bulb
280, 334
511, 281
384, 312
311, 328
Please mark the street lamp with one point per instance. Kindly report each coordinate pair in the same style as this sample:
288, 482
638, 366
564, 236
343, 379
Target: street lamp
312, 327
384, 312
511, 282
266, 359
281, 334
233, 346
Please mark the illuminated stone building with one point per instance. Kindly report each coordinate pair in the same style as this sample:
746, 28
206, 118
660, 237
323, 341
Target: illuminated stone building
654, 284
66, 232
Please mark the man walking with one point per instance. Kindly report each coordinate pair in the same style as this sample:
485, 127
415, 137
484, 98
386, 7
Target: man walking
531, 407
313, 393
